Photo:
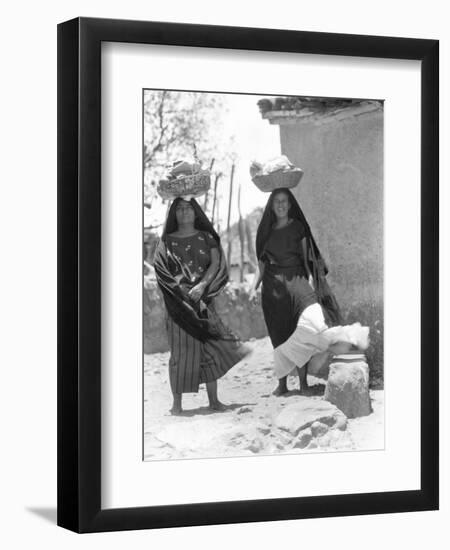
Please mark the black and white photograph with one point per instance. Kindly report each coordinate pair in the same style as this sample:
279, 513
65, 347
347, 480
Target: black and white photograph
263, 300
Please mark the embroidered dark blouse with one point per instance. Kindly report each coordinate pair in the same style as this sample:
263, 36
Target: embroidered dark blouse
190, 257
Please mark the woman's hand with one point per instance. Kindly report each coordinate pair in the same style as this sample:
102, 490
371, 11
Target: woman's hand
254, 296
197, 291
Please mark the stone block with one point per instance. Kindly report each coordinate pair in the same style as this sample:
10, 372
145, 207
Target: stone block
348, 387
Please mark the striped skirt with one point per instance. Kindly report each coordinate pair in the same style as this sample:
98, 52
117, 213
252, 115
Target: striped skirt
193, 362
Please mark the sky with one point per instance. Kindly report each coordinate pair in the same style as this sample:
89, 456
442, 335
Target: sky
255, 139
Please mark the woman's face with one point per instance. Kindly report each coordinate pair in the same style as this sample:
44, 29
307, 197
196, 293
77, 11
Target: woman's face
281, 205
184, 213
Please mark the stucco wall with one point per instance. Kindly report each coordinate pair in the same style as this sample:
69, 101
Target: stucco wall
341, 195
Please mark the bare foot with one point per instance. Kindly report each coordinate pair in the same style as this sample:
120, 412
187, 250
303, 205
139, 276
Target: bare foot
217, 406
176, 410
280, 390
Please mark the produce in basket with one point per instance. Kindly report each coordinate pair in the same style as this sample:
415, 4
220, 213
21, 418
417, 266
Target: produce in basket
276, 173
184, 179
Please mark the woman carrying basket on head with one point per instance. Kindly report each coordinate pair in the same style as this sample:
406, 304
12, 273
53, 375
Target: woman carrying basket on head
297, 303
191, 270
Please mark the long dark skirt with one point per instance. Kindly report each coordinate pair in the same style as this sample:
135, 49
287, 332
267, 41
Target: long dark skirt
285, 294
193, 362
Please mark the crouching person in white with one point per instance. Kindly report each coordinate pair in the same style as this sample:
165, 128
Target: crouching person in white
313, 336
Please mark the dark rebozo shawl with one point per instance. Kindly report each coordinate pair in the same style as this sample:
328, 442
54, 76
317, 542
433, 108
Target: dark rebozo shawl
315, 261
191, 317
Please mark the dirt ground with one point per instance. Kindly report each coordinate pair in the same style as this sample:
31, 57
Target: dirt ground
248, 425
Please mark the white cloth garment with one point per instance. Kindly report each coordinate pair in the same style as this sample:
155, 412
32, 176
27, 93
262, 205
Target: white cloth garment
313, 336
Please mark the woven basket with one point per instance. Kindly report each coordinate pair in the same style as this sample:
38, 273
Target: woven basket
280, 178
193, 185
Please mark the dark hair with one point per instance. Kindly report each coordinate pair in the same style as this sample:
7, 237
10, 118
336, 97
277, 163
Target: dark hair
180, 199
279, 191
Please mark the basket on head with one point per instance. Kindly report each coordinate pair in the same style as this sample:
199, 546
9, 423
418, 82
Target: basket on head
192, 185
276, 180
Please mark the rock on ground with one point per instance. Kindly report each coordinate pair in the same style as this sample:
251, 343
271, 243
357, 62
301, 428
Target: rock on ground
314, 423
310, 413
348, 388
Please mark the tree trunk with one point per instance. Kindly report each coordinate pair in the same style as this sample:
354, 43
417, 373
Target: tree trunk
229, 217
250, 248
241, 235
205, 202
215, 197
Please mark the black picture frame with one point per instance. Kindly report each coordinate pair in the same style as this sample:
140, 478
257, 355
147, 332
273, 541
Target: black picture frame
79, 274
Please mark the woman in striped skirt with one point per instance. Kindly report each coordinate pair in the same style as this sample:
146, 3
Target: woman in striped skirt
191, 270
